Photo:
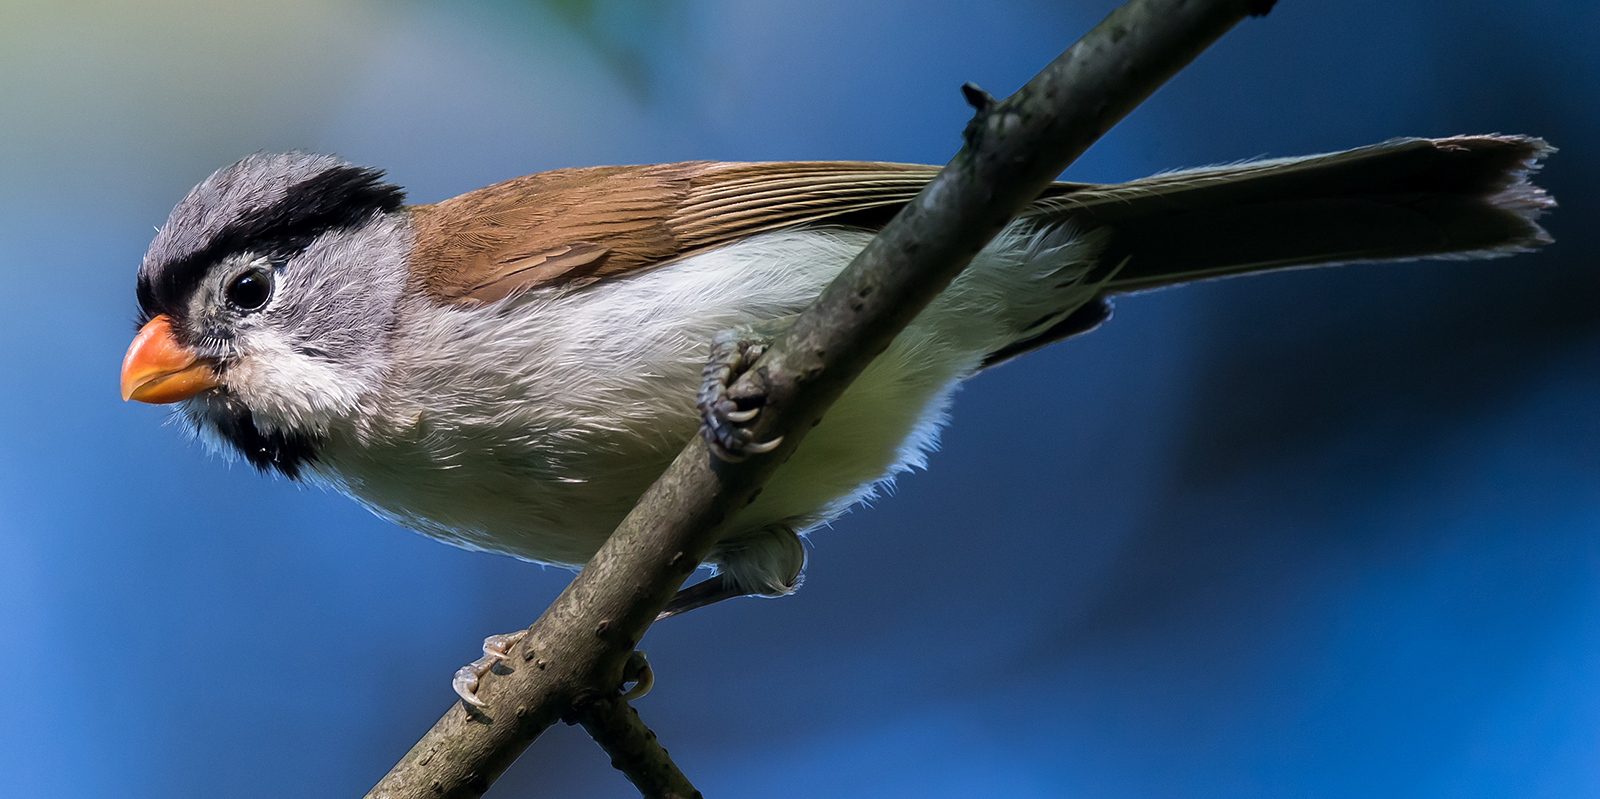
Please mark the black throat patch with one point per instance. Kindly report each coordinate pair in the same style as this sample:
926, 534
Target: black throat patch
284, 453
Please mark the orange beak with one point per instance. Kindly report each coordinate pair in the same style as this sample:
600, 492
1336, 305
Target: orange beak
158, 369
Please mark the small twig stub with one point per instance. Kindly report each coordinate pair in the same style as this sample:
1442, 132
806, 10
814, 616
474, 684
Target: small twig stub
979, 99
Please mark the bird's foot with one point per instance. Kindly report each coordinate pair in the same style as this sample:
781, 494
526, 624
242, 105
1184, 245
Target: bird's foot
498, 647
495, 649
723, 416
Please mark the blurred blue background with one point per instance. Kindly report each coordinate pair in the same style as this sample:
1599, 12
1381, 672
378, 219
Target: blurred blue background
1323, 534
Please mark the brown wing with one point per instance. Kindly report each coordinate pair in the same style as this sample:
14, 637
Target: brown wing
576, 226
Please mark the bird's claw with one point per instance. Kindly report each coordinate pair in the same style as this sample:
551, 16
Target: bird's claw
740, 417
722, 416
637, 671
495, 649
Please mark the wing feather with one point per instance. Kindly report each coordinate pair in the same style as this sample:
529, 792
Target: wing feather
577, 226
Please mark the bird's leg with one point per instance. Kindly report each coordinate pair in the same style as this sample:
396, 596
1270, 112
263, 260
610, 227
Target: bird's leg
723, 415
765, 562
706, 592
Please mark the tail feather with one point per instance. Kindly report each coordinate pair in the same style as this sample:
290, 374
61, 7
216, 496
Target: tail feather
1462, 197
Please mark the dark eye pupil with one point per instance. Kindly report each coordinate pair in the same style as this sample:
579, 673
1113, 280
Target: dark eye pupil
249, 291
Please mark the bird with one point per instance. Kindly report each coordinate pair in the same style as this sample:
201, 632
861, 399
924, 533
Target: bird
508, 370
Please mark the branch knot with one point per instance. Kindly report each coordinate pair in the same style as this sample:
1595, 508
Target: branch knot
983, 104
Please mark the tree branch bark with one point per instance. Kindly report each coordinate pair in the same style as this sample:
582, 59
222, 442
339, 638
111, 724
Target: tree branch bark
573, 656
634, 750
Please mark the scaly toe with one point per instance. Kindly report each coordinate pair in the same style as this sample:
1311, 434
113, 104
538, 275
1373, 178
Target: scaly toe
465, 683
495, 648
500, 645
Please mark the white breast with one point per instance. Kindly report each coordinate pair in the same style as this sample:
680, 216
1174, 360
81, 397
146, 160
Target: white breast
531, 426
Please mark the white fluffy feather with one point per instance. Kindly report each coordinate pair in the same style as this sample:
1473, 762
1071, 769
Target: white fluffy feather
531, 426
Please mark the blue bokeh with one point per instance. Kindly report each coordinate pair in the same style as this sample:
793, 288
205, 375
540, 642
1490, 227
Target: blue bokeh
1323, 534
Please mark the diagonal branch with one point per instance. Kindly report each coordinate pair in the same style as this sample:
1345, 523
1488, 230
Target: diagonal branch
575, 653
634, 749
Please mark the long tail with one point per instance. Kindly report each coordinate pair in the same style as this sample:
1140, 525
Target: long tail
1464, 197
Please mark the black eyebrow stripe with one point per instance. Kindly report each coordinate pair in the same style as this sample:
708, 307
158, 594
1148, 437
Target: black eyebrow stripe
339, 197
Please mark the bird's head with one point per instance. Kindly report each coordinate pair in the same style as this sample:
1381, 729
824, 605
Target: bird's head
266, 302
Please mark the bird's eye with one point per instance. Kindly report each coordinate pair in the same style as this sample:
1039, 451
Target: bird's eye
250, 291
